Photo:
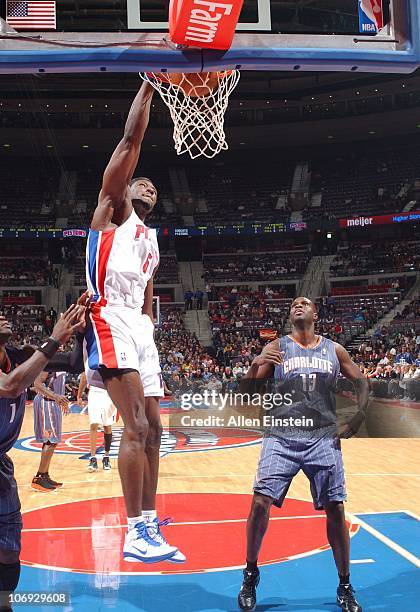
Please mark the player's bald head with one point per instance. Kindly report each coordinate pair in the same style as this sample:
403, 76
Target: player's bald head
304, 301
303, 309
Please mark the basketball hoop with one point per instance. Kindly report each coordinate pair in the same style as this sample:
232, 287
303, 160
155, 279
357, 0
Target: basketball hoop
197, 103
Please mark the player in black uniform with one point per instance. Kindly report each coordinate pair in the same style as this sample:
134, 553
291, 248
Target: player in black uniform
304, 367
18, 370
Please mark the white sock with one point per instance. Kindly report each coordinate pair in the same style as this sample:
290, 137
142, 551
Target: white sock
149, 515
133, 520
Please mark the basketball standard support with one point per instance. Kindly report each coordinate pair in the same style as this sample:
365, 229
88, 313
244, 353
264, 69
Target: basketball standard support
395, 51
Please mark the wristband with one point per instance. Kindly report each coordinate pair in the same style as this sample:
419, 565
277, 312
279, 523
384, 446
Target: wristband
49, 348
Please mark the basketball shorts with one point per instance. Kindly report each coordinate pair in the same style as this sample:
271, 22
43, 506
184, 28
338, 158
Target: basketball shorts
48, 420
122, 338
101, 410
320, 460
10, 517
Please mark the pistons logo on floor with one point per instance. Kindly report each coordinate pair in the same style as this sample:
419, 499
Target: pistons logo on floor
174, 440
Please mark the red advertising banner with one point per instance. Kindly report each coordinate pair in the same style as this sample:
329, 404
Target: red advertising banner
380, 219
16, 300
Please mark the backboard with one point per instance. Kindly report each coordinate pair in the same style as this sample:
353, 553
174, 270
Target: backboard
286, 35
153, 15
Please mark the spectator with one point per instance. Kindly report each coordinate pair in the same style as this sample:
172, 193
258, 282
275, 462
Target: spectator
199, 299
188, 297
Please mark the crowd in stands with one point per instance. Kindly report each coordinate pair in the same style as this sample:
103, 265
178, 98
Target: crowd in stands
259, 266
376, 258
240, 322
30, 324
252, 188
17, 272
167, 272
186, 366
241, 326
364, 182
343, 317
391, 361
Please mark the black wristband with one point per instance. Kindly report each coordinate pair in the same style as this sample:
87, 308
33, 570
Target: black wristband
49, 348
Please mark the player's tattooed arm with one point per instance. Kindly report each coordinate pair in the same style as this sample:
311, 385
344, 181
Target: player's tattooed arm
361, 386
262, 368
114, 203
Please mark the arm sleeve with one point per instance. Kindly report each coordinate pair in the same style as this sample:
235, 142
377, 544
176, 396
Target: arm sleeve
20, 355
68, 362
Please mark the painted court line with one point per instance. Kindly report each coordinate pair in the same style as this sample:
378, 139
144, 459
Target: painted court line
215, 476
390, 543
242, 520
360, 561
416, 516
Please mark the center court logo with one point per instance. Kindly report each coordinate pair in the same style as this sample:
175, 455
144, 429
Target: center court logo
174, 440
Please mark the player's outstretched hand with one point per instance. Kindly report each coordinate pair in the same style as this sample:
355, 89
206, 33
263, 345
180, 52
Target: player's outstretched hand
84, 303
63, 402
269, 356
68, 323
344, 431
351, 428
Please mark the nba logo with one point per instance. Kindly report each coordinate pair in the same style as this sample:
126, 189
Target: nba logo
371, 16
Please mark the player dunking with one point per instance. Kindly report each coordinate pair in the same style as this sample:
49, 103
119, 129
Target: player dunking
122, 254
306, 366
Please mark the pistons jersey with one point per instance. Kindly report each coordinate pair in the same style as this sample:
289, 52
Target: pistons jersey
120, 262
307, 381
12, 410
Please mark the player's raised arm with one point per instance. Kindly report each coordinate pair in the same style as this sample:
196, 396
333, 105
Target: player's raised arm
113, 203
13, 384
350, 370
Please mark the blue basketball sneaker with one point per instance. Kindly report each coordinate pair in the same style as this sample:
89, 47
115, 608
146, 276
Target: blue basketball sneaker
153, 529
139, 546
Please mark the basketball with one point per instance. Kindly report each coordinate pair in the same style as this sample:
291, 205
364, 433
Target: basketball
195, 84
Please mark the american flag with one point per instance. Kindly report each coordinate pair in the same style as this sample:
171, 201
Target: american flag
31, 15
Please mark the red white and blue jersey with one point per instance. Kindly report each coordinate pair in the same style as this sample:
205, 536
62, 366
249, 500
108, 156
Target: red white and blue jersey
120, 262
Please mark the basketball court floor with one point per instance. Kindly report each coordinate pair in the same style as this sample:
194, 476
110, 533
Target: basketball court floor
73, 537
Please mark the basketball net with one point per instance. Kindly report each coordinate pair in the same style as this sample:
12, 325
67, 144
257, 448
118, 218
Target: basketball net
199, 114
